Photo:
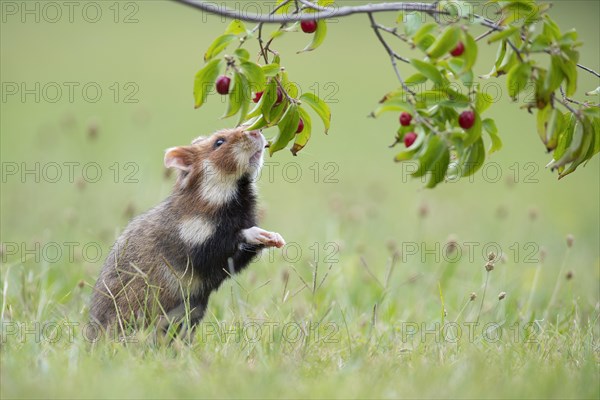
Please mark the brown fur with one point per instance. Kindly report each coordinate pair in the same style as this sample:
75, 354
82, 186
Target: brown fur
149, 272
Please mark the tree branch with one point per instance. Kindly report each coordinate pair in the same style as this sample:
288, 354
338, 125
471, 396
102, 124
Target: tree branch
335, 12
323, 13
591, 71
391, 53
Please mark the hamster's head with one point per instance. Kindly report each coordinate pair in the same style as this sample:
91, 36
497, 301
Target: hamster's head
217, 162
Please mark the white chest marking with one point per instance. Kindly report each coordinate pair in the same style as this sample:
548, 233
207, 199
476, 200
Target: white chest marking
217, 187
196, 230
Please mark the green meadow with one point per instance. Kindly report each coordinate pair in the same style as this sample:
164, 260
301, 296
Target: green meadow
382, 290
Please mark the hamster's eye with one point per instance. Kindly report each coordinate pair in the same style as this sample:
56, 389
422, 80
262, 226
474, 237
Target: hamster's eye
219, 142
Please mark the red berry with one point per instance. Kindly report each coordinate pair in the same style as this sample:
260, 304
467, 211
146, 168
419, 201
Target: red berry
409, 138
458, 50
405, 119
279, 97
466, 119
223, 84
308, 26
300, 126
257, 97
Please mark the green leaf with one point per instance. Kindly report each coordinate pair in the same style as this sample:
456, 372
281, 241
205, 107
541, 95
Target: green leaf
596, 127
550, 29
443, 96
565, 137
236, 27
245, 98
284, 9
277, 112
290, 87
424, 32
574, 147
428, 70
540, 43
503, 34
517, 10
218, 45
500, 53
552, 125
205, 80
318, 37
517, 79
474, 132
568, 68
490, 127
470, 54
439, 168
473, 158
302, 137
242, 54
482, 101
257, 122
319, 107
508, 61
395, 105
415, 79
287, 128
555, 75
255, 75
412, 22
279, 32
235, 96
433, 150
270, 70
585, 151
268, 99
445, 42
542, 120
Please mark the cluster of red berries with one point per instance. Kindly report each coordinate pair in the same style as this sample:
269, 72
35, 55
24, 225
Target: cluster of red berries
222, 87
466, 120
223, 82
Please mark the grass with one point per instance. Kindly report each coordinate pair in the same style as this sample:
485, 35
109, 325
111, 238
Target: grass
369, 301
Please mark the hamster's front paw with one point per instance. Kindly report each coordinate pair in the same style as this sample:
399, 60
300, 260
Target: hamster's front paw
256, 235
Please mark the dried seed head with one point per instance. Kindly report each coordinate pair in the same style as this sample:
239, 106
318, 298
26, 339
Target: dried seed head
510, 181
92, 129
80, 183
543, 253
129, 211
489, 266
451, 244
570, 240
501, 296
501, 212
533, 213
392, 245
569, 275
473, 296
423, 210
491, 256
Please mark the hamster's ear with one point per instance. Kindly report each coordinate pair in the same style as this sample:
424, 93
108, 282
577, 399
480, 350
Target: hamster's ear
179, 157
199, 139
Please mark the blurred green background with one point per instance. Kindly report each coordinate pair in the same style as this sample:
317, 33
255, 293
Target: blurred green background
158, 57
368, 205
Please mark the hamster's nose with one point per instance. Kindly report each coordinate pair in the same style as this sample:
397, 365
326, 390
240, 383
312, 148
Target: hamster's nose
254, 134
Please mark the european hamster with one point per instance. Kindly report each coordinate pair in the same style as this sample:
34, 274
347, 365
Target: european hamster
171, 258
